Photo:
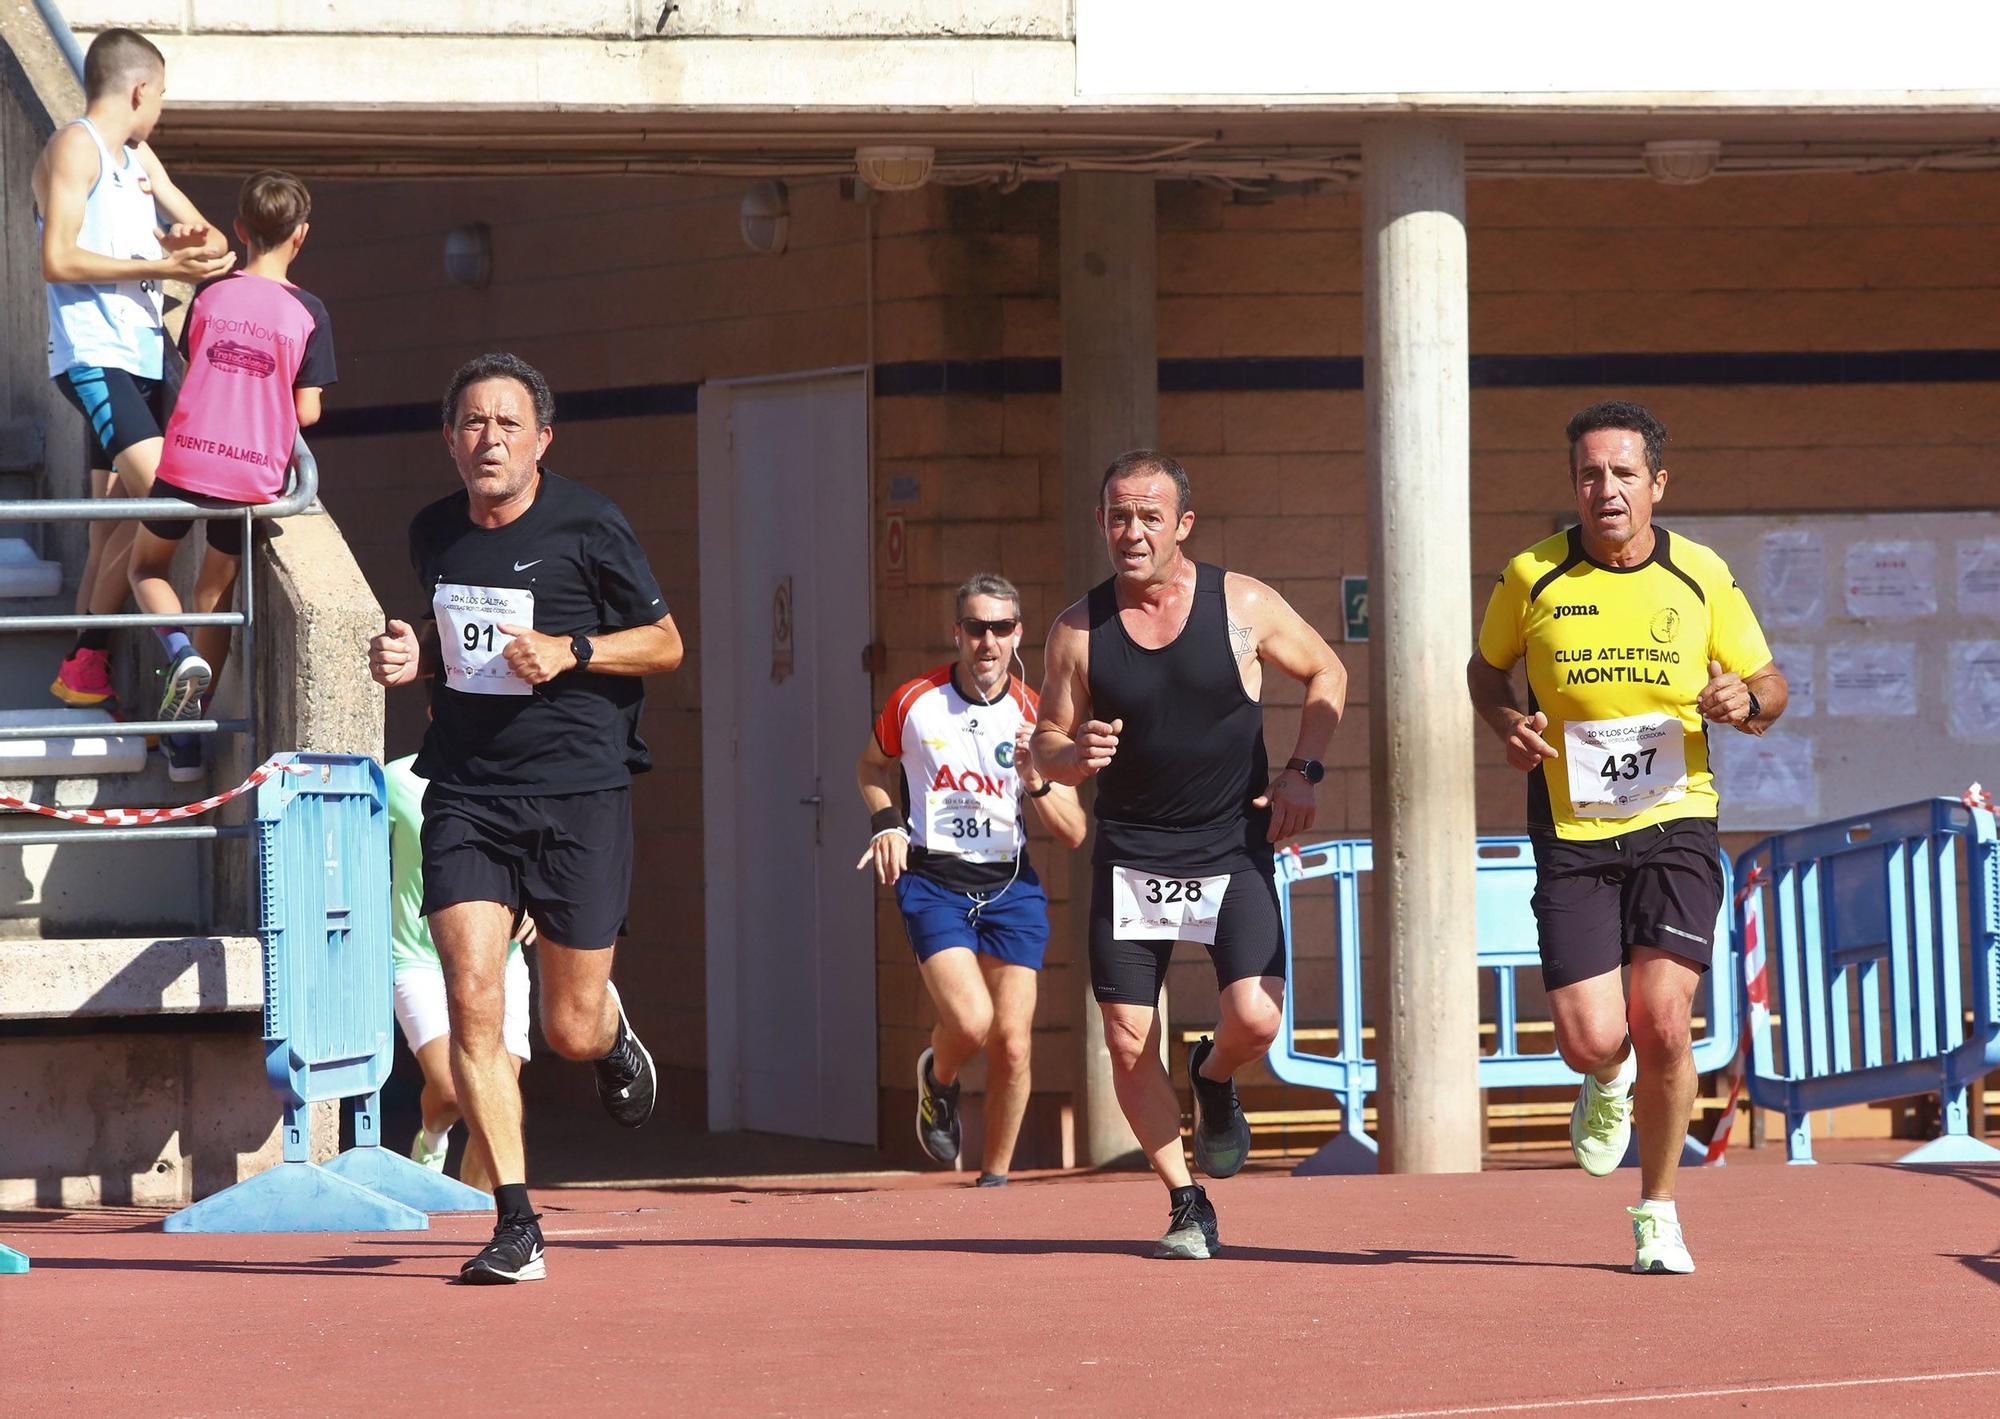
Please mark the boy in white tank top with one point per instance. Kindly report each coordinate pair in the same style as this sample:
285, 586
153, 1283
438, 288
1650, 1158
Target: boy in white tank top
100, 197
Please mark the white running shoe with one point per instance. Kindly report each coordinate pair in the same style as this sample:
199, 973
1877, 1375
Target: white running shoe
1600, 1127
1659, 1248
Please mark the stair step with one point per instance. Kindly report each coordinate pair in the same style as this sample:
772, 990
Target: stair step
95, 977
94, 751
25, 575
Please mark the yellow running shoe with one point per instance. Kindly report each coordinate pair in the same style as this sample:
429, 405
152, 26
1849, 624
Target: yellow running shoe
1659, 1247
1600, 1127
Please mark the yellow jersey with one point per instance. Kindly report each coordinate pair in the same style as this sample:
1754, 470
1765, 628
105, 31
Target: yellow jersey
1616, 659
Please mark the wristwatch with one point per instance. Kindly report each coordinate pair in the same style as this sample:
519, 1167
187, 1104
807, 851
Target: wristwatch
1755, 708
579, 646
1311, 769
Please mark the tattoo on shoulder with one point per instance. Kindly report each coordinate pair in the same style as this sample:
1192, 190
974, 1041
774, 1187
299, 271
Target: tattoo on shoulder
1242, 640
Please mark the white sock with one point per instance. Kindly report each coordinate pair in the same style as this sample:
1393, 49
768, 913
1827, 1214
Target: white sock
1659, 1207
1628, 1070
434, 1141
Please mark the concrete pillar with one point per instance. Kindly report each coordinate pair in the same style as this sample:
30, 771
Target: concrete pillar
1419, 538
1111, 403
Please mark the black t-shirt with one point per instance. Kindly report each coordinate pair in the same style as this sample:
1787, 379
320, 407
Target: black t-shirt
572, 558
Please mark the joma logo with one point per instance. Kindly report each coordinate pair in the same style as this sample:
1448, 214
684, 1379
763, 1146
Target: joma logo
1562, 611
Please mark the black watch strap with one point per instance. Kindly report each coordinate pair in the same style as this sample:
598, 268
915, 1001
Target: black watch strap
1048, 787
1312, 770
580, 647
1755, 708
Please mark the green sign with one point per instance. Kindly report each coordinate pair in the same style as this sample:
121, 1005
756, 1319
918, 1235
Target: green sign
1354, 606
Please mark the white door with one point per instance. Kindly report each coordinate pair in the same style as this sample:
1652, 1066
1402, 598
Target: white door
785, 709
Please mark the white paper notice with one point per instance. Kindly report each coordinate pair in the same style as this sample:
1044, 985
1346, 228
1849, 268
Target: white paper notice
1891, 581
1979, 578
1796, 659
1972, 689
1767, 776
1794, 578
1871, 678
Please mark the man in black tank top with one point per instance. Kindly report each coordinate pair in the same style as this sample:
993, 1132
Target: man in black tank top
1153, 684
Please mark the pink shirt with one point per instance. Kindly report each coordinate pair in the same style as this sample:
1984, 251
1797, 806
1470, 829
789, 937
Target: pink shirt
249, 341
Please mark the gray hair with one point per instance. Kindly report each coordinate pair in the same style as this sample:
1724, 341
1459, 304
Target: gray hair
987, 584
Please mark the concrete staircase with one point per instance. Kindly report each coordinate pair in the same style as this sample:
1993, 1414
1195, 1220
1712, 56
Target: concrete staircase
115, 934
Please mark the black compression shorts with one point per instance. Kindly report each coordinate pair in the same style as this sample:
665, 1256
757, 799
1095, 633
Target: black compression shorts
565, 859
1655, 886
119, 409
225, 534
1249, 941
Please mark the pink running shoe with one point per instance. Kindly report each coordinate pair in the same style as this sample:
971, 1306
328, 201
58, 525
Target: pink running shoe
85, 678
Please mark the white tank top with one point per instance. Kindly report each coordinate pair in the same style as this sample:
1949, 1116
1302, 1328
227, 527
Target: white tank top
115, 325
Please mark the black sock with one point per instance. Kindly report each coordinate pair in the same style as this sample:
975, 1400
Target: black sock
1181, 1196
510, 1200
93, 640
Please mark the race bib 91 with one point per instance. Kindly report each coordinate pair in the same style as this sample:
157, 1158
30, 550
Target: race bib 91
469, 620
970, 825
1157, 906
1618, 768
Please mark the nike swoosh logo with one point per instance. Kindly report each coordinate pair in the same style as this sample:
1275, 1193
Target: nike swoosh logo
523, 566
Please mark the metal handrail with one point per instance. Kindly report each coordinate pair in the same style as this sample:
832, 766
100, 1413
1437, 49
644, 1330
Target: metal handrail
301, 489
301, 495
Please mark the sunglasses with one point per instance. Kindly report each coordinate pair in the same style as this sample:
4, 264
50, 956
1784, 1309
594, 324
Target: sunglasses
975, 628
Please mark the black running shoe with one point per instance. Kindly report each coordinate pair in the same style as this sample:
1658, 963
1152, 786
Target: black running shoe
991, 1180
1191, 1233
514, 1254
937, 1114
626, 1082
1221, 1133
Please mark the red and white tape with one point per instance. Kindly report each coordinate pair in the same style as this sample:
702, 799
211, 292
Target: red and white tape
143, 817
1757, 986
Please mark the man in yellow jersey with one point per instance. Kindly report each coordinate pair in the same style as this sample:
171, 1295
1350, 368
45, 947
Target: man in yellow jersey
1636, 641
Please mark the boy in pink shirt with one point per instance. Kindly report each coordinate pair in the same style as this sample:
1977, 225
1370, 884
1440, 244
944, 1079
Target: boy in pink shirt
259, 350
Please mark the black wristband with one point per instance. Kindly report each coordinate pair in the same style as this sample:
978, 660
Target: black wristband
885, 819
1048, 787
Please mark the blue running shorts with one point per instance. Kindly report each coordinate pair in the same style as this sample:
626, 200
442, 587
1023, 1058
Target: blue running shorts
1010, 924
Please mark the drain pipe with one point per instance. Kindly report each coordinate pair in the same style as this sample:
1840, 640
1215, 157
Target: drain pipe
64, 37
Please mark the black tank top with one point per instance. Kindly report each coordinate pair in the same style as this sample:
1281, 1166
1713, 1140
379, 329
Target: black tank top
1191, 754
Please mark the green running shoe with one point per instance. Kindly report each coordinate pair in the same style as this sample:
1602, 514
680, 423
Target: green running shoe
424, 1158
1600, 1127
1221, 1133
1659, 1247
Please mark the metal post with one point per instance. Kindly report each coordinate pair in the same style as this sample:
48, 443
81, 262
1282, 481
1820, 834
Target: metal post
1416, 353
1111, 402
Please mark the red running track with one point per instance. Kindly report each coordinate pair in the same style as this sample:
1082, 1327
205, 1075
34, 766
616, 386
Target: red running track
1842, 1289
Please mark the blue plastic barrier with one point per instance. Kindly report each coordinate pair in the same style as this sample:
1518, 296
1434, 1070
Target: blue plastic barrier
323, 862
1504, 938
12, 1263
1878, 932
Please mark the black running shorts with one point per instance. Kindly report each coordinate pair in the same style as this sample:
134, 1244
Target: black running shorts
119, 409
1249, 941
1655, 886
565, 859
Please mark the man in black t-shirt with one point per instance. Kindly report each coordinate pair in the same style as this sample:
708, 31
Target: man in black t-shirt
544, 614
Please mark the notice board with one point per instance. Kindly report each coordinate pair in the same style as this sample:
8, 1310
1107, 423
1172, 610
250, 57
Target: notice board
1887, 626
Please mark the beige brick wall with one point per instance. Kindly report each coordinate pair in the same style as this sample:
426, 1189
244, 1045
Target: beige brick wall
619, 283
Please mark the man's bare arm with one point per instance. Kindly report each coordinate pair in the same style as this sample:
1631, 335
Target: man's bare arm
1065, 698
1492, 692
1286, 642
72, 170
